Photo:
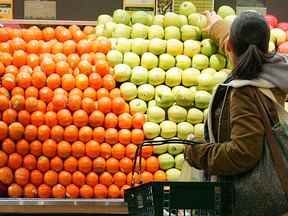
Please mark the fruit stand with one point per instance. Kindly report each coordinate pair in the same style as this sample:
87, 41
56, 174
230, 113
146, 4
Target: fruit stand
77, 98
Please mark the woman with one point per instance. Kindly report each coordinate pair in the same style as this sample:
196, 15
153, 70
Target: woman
235, 128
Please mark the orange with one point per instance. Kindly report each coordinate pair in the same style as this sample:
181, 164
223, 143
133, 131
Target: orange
85, 67
63, 35
90, 93
48, 33
59, 102
108, 82
21, 176
6, 175
73, 59
64, 117
92, 149
48, 66
3, 158
137, 136
88, 105
102, 92
78, 149
44, 47
113, 191
118, 151
70, 164
69, 47
118, 105
57, 133
100, 191
112, 165
111, 136
96, 119
115, 93
131, 151
32, 46
9, 116
106, 179
8, 81
31, 91
29, 162
82, 81
51, 178
87, 57
62, 67
38, 79
17, 91
105, 150
49, 148
31, 104
64, 178
56, 164
147, 151
68, 82
5, 47
71, 133
3, 130
22, 147
63, 149
44, 191
53, 81
72, 191
32, 60
147, 177
50, 118
138, 120
111, 120
42, 106
160, 175
2, 69
92, 179
143, 164
8, 146
36, 177
56, 48
99, 134
28, 35
85, 134
43, 164
99, 165
74, 102
85, 164
15, 191
46, 94
104, 45
80, 118
23, 79
30, 132
78, 178
37, 118
60, 91
119, 179
83, 46
6, 58
122, 190
78, 35
59, 57
152, 164
36, 148
4, 35
18, 44
124, 136
102, 67
95, 81
17, 102
58, 191
86, 191
37, 32
43, 132
126, 165
30, 191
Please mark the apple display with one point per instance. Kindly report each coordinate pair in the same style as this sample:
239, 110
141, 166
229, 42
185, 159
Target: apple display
155, 114
190, 77
189, 32
131, 59
166, 161
109, 28
192, 47
225, 11
174, 47
205, 81
160, 149
210, 71
208, 47
202, 99
103, 19
123, 45
166, 61
200, 62
184, 97
152, 103
179, 160
156, 31
114, 57
121, 16
168, 129
205, 113
139, 75
177, 114
173, 174
122, 72
139, 17
151, 130
164, 99
128, 91
199, 131
139, 31
218, 61
186, 8
139, 46
158, 20
175, 149
195, 116
171, 19
156, 76
157, 46
146, 92
183, 20
184, 129
183, 62
172, 32
121, 31
137, 105
197, 19
173, 77
149, 60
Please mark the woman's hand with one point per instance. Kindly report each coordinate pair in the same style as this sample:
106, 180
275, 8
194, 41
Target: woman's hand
212, 18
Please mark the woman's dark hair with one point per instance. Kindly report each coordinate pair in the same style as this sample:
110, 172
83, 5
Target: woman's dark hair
249, 38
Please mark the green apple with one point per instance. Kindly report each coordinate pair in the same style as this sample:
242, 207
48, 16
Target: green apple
139, 17
186, 8
190, 77
168, 129
195, 116
139, 46
173, 77
166, 161
164, 99
100, 30
205, 113
225, 11
131, 59
157, 46
174, 47
137, 105
156, 76
114, 57
171, 19
155, 114
205, 81
146, 92
156, 31
149, 60
197, 19
152, 103
122, 72
158, 20
123, 45
200, 61
230, 19
173, 174
151, 130
177, 114
166, 61
184, 129
162, 88
208, 47
103, 19
278, 36
179, 160
177, 89
272, 47
220, 77
190, 32
184, 98
175, 149
121, 31
192, 47
109, 28
183, 62
183, 20
202, 99
210, 71
128, 91
121, 16
139, 75
199, 131
160, 149
150, 19
139, 31
218, 61
172, 32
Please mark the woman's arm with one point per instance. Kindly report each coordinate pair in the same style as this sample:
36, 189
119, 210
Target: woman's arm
219, 32
244, 150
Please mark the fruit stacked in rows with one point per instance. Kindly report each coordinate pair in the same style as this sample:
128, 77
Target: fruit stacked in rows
167, 69
65, 130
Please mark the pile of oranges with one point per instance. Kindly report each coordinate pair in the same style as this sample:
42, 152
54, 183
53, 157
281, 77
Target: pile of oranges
65, 130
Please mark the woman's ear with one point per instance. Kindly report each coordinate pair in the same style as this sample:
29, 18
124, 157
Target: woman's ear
229, 46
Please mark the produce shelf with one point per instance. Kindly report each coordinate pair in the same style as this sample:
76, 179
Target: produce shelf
67, 206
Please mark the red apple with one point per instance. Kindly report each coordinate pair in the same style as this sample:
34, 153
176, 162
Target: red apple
271, 20
283, 48
283, 26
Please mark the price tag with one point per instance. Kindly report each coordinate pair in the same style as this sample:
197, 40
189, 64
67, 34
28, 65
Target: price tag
38, 9
6, 9
140, 5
